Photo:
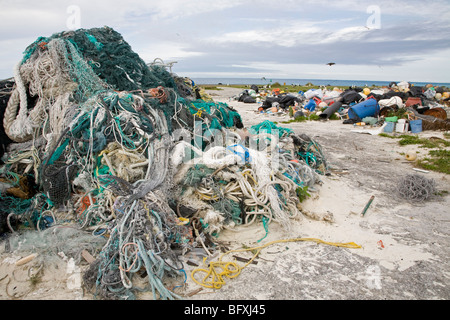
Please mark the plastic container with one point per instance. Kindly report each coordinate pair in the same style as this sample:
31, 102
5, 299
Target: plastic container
391, 119
389, 127
330, 110
413, 101
367, 108
402, 126
415, 125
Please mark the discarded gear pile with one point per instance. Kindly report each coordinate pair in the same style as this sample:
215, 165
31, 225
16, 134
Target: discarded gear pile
96, 138
429, 104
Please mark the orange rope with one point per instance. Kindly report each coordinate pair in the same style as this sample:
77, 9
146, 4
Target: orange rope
158, 93
135, 255
85, 203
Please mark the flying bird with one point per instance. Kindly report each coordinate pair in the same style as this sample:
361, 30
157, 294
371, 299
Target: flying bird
330, 63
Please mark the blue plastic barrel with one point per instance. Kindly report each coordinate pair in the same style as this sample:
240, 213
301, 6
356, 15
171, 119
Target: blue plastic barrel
415, 125
367, 108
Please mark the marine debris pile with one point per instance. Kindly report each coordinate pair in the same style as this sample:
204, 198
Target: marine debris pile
127, 152
417, 107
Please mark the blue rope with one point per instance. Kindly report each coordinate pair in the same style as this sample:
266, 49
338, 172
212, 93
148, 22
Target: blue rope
154, 278
94, 41
245, 156
266, 227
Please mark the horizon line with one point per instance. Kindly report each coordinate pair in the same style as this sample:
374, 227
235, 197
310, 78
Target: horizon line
321, 79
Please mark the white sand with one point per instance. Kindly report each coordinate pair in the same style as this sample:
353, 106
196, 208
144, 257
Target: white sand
410, 262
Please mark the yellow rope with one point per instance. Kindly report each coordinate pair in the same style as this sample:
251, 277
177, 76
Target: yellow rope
215, 279
199, 113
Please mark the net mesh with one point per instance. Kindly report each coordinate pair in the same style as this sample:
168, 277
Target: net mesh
98, 139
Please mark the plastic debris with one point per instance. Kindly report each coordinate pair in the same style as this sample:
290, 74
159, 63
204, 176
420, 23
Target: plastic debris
402, 101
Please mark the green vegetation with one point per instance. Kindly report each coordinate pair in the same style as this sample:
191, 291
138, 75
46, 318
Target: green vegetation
423, 142
35, 280
210, 87
302, 193
430, 143
438, 159
311, 117
400, 113
298, 119
276, 85
281, 86
387, 135
297, 88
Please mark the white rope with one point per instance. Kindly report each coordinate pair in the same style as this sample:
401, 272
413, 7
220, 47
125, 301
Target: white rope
255, 185
261, 166
20, 128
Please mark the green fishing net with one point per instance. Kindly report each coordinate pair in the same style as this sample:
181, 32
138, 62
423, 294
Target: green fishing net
111, 58
270, 128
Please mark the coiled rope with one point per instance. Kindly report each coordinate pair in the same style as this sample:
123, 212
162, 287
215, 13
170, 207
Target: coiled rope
216, 271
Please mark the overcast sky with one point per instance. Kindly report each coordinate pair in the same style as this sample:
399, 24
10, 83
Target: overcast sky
368, 40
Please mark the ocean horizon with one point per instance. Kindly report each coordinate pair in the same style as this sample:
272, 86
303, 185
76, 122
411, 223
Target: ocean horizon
302, 82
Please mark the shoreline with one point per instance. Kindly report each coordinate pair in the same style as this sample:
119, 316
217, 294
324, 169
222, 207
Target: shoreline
304, 82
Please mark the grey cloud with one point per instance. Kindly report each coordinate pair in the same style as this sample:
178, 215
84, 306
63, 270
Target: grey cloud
386, 47
408, 38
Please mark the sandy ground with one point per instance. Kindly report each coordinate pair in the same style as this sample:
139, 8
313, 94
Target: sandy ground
404, 246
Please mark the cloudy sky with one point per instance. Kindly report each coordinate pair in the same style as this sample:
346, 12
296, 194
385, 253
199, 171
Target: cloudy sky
292, 39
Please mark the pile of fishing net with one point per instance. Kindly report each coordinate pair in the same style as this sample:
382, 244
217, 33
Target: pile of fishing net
254, 178
130, 153
416, 188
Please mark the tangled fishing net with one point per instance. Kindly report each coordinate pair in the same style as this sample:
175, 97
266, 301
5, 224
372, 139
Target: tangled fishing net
138, 158
415, 187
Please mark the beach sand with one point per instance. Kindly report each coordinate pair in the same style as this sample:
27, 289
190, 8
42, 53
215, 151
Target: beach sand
404, 246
